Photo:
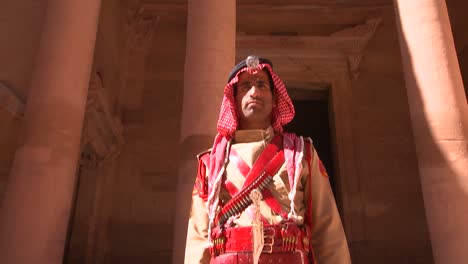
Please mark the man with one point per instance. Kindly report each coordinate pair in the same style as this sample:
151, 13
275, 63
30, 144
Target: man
261, 195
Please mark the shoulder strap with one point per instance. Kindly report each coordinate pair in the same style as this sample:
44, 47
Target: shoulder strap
201, 182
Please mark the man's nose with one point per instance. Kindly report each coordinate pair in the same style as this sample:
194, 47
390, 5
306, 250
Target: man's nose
253, 90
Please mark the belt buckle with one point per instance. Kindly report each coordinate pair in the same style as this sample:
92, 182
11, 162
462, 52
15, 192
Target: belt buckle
268, 239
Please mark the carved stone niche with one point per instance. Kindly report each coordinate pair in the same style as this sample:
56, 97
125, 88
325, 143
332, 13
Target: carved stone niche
102, 131
140, 25
10, 102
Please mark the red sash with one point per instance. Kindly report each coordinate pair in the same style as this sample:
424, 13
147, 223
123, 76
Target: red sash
268, 197
267, 164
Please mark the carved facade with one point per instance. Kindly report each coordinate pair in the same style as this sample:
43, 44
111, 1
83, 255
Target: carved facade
124, 209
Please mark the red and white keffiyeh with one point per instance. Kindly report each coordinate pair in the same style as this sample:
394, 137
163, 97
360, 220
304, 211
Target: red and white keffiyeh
281, 115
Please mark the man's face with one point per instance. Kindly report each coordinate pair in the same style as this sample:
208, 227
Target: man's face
255, 100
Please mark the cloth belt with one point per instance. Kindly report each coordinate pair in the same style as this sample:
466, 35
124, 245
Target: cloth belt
285, 237
287, 242
297, 257
278, 238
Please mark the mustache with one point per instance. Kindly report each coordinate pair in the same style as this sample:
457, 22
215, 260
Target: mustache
255, 100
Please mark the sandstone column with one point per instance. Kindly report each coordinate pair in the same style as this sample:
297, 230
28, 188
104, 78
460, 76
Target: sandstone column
439, 115
210, 52
36, 209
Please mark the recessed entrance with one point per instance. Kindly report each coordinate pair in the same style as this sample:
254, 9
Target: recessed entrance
312, 120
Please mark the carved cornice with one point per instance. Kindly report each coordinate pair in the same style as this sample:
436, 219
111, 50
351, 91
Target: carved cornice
307, 53
102, 131
11, 102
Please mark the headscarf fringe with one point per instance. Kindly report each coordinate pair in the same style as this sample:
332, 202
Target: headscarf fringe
213, 196
299, 151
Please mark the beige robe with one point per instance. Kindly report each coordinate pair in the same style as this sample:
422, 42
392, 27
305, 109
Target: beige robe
328, 238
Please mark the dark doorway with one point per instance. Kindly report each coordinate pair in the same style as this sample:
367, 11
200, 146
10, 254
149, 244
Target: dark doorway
312, 120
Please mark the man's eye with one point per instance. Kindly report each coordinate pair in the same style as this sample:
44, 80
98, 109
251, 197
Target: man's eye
262, 85
244, 87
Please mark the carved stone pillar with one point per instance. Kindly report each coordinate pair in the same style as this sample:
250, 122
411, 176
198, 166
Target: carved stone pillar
210, 52
35, 212
439, 116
